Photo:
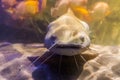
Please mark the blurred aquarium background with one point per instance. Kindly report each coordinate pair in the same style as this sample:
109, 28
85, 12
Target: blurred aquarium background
105, 31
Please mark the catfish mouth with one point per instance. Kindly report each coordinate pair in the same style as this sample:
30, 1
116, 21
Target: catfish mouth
68, 46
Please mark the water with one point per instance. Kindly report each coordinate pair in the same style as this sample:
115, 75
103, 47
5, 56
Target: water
104, 32
107, 32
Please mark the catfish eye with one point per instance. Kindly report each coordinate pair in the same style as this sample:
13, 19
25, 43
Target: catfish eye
53, 38
82, 39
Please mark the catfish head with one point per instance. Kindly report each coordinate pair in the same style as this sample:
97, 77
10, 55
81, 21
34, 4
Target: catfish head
68, 34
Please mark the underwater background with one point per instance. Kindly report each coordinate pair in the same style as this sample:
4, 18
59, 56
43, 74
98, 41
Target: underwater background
22, 22
107, 32
103, 32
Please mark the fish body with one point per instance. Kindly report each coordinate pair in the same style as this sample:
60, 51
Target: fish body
24, 8
77, 6
42, 4
8, 3
81, 12
100, 10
